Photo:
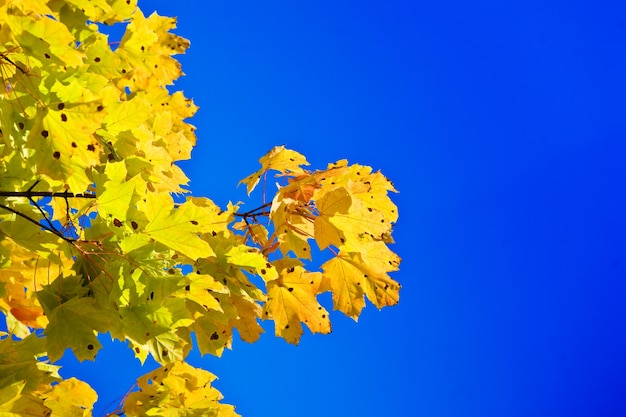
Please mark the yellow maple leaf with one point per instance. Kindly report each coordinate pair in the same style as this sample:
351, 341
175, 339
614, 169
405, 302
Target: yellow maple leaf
292, 299
359, 272
177, 389
280, 159
336, 202
70, 398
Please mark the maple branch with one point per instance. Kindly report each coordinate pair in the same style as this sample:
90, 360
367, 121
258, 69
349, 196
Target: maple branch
43, 226
30, 194
253, 212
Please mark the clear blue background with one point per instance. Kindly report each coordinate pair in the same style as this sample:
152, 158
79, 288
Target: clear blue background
502, 125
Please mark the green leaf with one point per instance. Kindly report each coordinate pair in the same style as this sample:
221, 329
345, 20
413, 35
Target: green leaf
75, 325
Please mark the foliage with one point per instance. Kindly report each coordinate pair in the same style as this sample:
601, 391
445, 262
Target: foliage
98, 233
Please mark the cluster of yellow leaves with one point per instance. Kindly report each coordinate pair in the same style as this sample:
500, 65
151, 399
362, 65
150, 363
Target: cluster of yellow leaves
173, 388
89, 124
345, 208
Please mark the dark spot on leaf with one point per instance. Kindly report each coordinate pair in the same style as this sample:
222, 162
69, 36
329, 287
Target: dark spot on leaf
91, 148
171, 271
323, 316
44, 133
100, 107
90, 346
164, 353
215, 336
143, 48
137, 350
111, 157
263, 271
370, 209
21, 125
61, 106
97, 59
195, 223
46, 55
74, 145
152, 295
267, 313
134, 224
117, 222
290, 270
213, 233
56, 154
287, 326
290, 289
63, 117
187, 287
268, 265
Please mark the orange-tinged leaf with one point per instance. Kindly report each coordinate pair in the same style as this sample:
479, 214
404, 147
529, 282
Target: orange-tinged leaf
292, 299
294, 226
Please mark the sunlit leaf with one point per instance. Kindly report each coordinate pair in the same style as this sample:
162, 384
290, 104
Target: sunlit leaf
291, 300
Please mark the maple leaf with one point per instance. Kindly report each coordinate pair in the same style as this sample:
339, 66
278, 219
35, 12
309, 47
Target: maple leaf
177, 389
292, 299
360, 272
75, 324
70, 398
336, 202
175, 229
279, 159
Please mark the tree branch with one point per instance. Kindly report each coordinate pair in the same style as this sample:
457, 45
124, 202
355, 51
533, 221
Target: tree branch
30, 194
43, 226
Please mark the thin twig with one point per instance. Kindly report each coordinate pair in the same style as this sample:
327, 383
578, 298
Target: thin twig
43, 226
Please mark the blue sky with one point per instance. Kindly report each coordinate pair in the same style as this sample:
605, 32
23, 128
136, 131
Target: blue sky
502, 126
